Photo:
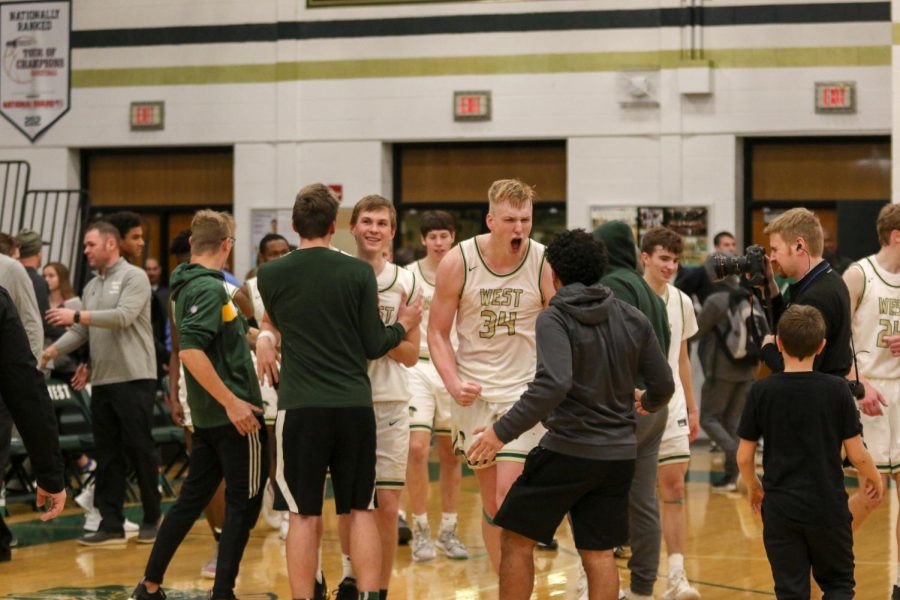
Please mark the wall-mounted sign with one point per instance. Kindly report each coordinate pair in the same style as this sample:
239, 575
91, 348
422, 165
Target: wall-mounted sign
35, 75
836, 97
690, 222
471, 106
148, 116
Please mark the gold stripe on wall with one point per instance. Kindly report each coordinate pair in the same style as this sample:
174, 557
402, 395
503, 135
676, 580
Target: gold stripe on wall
895, 33
587, 62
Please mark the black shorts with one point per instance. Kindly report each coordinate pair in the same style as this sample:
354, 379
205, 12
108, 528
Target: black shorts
312, 441
594, 492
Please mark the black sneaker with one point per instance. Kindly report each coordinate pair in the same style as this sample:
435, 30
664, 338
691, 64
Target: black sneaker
895, 595
103, 538
141, 593
147, 533
347, 589
404, 533
553, 545
321, 590
212, 596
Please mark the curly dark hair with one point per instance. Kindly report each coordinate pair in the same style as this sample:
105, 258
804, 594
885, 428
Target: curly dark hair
576, 256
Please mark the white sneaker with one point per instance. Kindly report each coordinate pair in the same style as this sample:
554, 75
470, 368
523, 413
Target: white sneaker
283, 526
421, 544
627, 594
270, 515
92, 520
679, 588
450, 544
208, 571
85, 499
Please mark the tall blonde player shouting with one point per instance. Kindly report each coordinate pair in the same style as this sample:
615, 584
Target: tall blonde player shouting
493, 286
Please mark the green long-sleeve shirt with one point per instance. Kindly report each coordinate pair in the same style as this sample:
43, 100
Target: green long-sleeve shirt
325, 305
208, 320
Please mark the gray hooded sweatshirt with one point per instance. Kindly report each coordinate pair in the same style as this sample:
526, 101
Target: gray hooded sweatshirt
591, 348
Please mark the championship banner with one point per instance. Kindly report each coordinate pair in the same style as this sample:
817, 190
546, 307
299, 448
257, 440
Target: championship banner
34, 81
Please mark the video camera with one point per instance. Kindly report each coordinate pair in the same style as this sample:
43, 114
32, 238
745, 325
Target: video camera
753, 263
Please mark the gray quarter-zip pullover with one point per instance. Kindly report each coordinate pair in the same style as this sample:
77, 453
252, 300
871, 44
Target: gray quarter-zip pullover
120, 335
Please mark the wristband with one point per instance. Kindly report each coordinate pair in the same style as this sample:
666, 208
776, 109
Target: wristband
77, 317
267, 334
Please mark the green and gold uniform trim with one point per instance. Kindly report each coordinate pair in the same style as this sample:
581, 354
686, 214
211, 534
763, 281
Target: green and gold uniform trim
540, 277
394, 280
446, 432
877, 274
381, 484
420, 427
441, 66
465, 269
511, 456
511, 273
675, 458
422, 273
862, 271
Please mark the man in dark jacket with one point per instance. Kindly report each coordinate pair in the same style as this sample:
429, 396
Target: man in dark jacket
591, 349
629, 286
24, 394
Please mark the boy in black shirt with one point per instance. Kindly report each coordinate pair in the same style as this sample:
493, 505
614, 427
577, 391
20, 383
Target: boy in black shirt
805, 418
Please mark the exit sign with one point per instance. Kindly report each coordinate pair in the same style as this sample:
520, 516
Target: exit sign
471, 106
148, 116
836, 97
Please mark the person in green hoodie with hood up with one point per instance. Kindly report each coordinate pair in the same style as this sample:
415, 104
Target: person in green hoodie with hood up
623, 278
226, 409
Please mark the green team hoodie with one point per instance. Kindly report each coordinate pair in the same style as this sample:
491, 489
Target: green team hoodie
626, 283
208, 320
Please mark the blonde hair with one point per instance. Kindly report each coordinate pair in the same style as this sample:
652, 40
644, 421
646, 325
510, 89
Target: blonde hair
799, 223
209, 228
510, 191
888, 221
373, 203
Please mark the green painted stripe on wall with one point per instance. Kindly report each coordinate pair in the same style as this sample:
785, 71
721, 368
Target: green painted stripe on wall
478, 65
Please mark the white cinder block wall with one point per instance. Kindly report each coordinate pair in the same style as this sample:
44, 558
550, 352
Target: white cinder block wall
326, 108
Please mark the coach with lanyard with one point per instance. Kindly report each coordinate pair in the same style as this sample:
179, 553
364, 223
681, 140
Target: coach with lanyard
796, 244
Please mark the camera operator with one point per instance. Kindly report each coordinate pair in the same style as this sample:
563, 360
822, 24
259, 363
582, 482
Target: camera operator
796, 243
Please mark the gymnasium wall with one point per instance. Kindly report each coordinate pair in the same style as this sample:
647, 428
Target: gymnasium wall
320, 94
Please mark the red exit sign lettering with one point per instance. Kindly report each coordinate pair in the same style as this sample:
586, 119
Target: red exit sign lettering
147, 116
472, 106
836, 97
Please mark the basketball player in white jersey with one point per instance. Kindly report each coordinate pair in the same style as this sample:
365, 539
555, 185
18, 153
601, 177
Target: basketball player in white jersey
874, 285
271, 246
494, 285
661, 250
373, 222
429, 412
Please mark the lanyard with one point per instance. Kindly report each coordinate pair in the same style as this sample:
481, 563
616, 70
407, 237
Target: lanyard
813, 275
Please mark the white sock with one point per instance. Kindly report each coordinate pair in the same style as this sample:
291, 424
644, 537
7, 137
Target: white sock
898, 574
346, 566
448, 521
319, 575
676, 563
420, 521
